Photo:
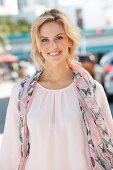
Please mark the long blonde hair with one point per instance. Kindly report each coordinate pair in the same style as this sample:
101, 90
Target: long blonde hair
58, 16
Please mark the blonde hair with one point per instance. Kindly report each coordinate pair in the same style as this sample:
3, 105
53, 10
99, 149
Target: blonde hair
57, 16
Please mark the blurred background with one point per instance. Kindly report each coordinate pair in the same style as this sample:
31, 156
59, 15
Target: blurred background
94, 20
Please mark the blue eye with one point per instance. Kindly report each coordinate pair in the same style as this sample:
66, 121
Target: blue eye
44, 40
59, 37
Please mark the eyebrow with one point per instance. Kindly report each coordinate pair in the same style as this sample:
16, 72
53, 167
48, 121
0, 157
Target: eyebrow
55, 35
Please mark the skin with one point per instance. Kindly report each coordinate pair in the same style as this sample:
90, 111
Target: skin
54, 46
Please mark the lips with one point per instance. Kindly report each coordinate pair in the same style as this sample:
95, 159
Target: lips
54, 53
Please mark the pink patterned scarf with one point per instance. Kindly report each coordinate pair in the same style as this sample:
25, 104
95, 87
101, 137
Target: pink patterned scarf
99, 138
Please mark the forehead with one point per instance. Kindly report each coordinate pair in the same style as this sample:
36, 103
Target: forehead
51, 29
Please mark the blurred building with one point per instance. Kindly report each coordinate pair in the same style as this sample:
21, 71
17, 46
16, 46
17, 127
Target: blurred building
27, 3
14, 7
30, 9
8, 7
89, 14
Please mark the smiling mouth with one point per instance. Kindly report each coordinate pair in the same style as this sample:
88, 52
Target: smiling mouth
54, 53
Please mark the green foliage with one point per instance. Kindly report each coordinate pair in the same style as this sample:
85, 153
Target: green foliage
10, 26
22, 26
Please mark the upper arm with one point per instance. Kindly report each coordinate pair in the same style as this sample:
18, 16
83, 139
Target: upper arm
10, 148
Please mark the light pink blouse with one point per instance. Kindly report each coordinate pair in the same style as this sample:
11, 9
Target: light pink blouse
58, 138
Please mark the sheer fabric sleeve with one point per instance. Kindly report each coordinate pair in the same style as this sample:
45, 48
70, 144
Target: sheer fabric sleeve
10, 148
104, 105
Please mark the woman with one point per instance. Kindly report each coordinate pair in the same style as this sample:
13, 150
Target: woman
62, 115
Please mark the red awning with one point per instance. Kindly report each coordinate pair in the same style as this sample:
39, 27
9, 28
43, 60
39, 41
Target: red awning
6, 58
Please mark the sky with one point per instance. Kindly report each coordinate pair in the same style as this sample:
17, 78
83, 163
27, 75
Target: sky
67, 2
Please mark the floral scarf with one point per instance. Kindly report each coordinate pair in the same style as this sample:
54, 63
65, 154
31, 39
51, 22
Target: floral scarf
100, 141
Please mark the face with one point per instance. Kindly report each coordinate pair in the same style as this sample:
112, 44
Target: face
54, 43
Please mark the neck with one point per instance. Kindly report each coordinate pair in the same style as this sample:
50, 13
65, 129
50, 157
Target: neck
55, 73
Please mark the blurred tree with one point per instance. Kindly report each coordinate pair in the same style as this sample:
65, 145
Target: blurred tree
23, 26
10, 26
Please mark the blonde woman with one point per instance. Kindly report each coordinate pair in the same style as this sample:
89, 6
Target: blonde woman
59, 118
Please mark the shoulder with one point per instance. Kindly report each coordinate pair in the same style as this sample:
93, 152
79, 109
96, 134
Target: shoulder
99, 88
25, 83
18, 85
13, 98
102, 102
100, 94
15, 90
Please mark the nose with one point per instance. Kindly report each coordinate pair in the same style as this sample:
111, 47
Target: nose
53, 45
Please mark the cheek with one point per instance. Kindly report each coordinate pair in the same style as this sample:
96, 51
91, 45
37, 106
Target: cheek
65, 47
65, 44
43, 48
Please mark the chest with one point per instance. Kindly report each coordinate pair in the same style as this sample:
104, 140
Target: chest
59, 107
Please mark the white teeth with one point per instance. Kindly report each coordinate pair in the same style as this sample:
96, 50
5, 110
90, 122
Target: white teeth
55, 53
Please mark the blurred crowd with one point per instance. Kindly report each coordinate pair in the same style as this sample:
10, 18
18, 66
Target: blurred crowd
16, 70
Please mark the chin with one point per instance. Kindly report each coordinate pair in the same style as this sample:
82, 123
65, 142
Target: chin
58, 61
